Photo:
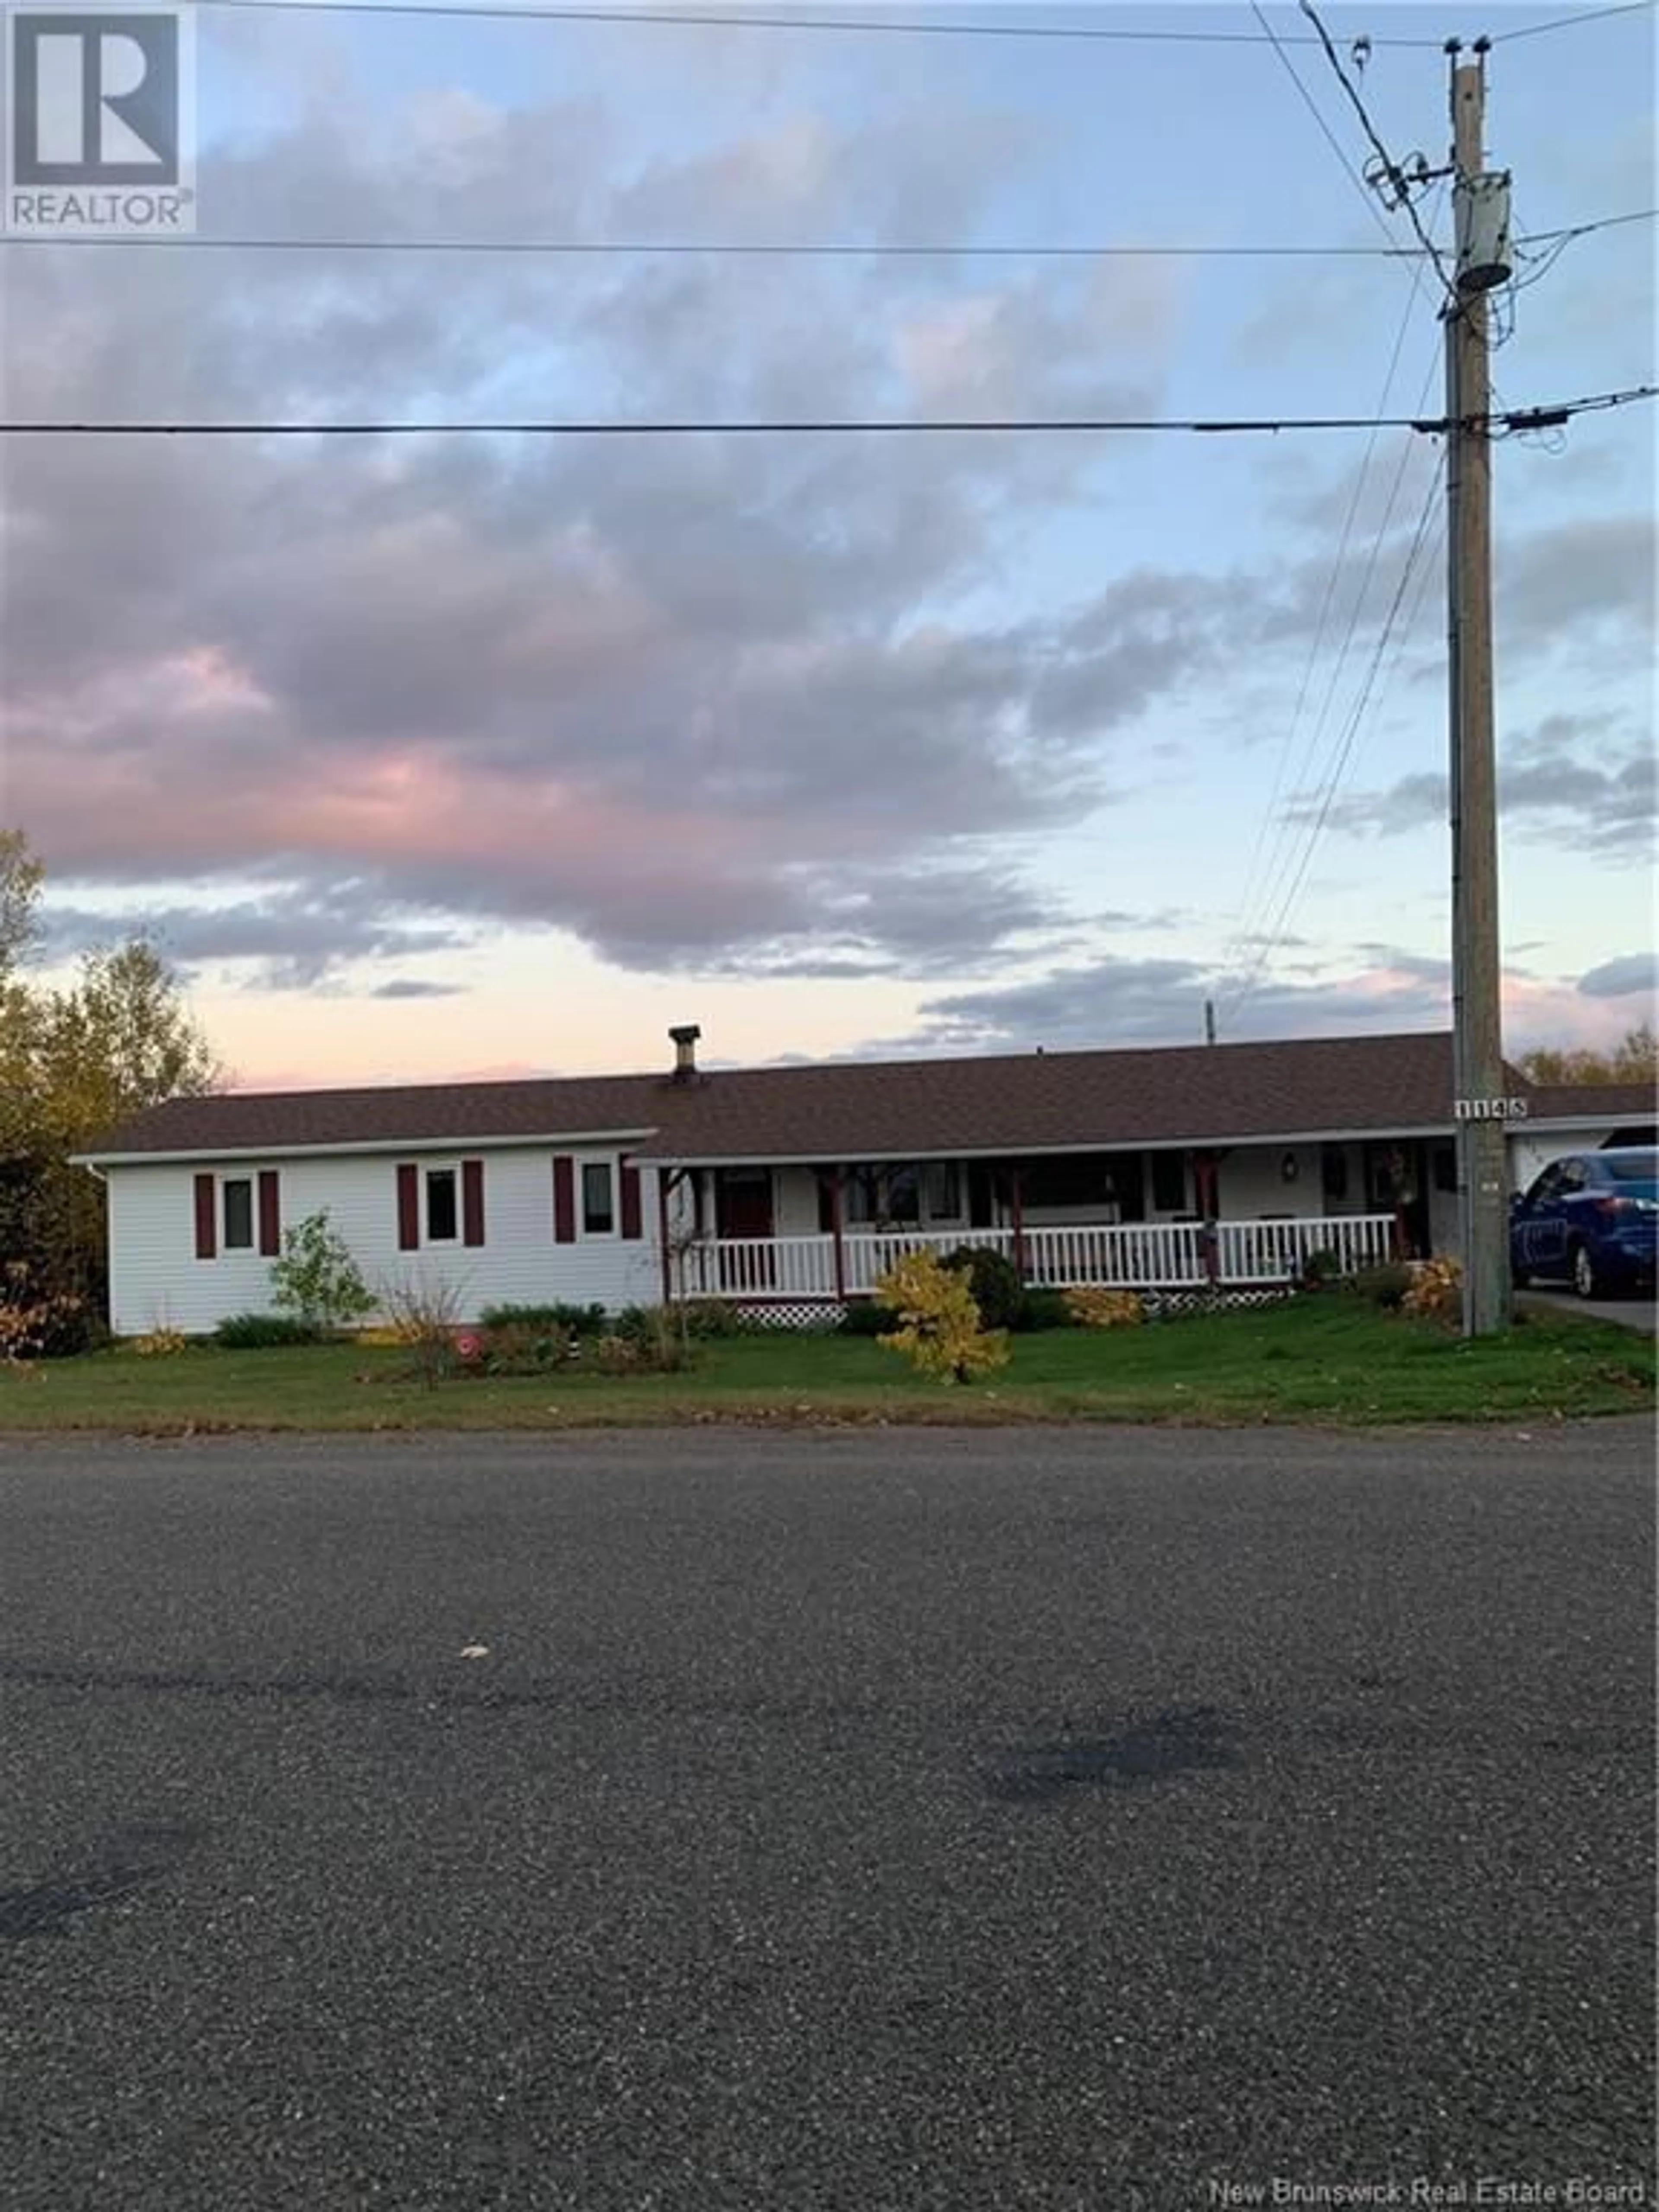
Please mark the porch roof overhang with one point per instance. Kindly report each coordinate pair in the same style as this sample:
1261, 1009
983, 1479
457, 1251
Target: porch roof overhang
987, 1155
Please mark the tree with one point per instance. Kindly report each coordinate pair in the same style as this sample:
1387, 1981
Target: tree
940, 1330
1635, 1059
76, 1060
21, 878
316, 1280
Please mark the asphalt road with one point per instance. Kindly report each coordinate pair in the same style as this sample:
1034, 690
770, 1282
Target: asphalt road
1076, 1820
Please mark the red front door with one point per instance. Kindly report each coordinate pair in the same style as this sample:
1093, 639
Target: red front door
743, 1210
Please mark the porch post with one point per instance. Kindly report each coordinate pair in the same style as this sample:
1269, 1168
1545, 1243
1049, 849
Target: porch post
838, 1249
665, 1258
1204, 1175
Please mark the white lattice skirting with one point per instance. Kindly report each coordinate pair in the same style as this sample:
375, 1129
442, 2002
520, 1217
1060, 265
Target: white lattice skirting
822, 1315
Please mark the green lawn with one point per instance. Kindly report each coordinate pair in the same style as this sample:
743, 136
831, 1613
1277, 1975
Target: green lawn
1330, 1359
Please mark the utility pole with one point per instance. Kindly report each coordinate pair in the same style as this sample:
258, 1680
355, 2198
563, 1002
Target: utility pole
1480, 1105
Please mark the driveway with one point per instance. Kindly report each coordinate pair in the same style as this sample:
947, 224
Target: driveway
1639, 1313
1063, 1819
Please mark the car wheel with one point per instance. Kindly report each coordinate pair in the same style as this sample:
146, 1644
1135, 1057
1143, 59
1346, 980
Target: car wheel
1520, 1276
1586, 1277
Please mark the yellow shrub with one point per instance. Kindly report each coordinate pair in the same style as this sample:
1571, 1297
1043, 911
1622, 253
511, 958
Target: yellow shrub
160, 1344
1099, 1308
940, 1330
1436, 1290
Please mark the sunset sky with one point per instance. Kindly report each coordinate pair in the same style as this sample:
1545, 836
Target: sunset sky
455, 755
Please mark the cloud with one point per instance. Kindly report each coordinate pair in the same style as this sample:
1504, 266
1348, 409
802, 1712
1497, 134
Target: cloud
290, 939
1121, 1001
1124, 1002
1578, 583
1567, 782
686, 698
414, 986
1633, 975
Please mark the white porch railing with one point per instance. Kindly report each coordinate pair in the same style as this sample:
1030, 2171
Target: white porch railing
1142, 1256
1273, 1251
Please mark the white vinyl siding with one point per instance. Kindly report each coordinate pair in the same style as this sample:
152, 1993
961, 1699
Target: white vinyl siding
156, 1279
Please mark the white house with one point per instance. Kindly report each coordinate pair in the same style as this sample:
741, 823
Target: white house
794, 1187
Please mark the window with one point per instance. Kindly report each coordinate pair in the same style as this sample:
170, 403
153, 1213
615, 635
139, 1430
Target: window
599, 1199
883, 1195
237, 1196
442, 1212
1445, 1169
943, 1190
1333, 1173
1168, 1182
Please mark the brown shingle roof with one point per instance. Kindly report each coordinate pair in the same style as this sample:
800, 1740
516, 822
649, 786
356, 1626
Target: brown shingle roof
1032, 1101
1598, 1102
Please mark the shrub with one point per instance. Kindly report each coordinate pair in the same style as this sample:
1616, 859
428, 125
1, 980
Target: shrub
867, 1317
38, 1324
652, 1337
254, 1332
1103, 1308
617, 1355
425, 1317
574, 1321
713, 1320
316, 1277
1383, 1286
1435, 1291
1045, 1309
1320, 1268
940, 1327
523, 1348
161, 1344
999, 1294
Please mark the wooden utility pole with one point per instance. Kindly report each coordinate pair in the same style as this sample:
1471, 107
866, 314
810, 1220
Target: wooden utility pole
1477, 1004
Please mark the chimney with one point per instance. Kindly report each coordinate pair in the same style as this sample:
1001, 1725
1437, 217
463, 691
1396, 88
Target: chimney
685, 1052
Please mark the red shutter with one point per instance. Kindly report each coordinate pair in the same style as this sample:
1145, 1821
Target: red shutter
207, 1202
472, 1222
270, 1215
409, 1209
564, 1199
630, 1199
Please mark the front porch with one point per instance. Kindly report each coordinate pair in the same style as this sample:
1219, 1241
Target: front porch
1141, 1256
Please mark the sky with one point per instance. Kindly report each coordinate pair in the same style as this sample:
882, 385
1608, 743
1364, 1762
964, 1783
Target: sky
464, 755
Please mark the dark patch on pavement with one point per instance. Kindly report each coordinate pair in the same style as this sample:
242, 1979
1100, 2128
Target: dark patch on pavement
1157, 1749
121, 1862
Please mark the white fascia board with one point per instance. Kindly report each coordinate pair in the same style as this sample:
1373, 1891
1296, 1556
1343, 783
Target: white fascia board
402, 1146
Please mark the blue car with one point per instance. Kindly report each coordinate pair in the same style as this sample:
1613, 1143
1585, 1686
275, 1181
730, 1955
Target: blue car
1590, 1220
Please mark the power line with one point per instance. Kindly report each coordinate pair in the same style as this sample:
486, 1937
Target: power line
1282, 853
1314, 109
685, 19
1391, 169
1569, 23
1333, 573
1511, 422
1253, 975
806, 250
1017, 250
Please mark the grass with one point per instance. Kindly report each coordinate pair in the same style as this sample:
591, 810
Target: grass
1332, 1359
